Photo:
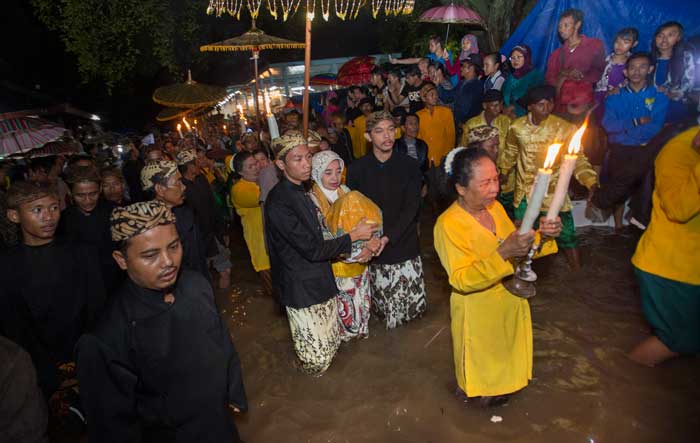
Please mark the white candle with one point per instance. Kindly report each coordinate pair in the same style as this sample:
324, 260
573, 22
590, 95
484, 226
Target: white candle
566, 170
179, 129
187, 124
539, 190
241, 119
271, 121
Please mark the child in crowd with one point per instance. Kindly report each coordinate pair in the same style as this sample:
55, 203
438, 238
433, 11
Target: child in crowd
613, 76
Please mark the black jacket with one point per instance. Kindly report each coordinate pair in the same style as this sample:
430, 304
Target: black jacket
299, 256
193, 254
158, 372
199, 196
421, 152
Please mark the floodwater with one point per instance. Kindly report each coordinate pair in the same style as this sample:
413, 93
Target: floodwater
397, 385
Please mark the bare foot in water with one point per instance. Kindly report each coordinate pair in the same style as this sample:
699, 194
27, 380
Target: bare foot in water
650, 352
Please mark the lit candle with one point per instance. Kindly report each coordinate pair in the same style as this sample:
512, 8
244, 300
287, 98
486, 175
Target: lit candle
271, 120
241, 118
566, 170
179, 129
539, 190
224, 128
187, 124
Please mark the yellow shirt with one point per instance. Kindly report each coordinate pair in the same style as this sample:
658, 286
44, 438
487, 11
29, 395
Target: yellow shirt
491, 328
526, 149
209, 174
502, 123
670, 246
437, 129
244, 197
357, 135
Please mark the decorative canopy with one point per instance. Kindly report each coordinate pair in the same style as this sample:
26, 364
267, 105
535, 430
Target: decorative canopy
189, 94
452, 14
355, 71
172, 113
253, 40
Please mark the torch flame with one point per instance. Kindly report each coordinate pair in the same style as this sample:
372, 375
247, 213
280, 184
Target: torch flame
575, 143
552, 152
267, 103
179, 126
184, 120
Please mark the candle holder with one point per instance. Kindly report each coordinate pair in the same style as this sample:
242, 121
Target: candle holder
523, 282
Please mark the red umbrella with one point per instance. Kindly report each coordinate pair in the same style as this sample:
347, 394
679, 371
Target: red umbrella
356, 71
452, 14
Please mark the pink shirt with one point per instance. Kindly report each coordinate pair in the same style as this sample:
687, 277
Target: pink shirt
588, 58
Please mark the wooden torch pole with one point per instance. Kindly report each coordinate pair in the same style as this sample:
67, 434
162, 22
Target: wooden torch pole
307, 77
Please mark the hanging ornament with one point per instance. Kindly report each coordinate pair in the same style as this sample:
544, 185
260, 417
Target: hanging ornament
376, 6
311, 9
272, 8
326, 9
254, 8
341, 8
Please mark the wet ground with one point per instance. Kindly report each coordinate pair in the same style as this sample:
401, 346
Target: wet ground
397, 386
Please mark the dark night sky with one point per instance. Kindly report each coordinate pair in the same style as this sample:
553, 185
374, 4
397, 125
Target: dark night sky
35, 59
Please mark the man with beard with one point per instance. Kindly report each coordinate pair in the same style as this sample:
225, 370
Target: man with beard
164, 182
50, 293
160, 367
87, 221
392, 180
300, 258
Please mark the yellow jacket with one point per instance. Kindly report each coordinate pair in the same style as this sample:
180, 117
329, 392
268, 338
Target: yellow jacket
526, 149
670, 247
437, 129
245, 196
357, 135
502, 123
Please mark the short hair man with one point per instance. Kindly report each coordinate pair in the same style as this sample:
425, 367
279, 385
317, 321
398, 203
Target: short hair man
393, 180
87, 221
576, 66
161, 365
199, 196
357, 131
51, 293
409, 143
300, 258
437, 126
466, 96
411, 89
163, 182
528, 139
113, 186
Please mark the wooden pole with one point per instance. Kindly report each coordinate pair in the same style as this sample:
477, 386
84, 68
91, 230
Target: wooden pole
256, 55
307, 77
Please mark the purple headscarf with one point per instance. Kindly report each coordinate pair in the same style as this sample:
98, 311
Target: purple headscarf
527, 55
474, 49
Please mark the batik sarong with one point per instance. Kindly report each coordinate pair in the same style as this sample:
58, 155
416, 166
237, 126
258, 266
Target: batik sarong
398, 291
354, 303
315, 335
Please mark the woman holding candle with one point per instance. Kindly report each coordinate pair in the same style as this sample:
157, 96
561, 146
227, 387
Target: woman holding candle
245, 199
475, 240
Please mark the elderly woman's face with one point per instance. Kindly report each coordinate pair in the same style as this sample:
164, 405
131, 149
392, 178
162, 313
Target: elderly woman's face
250, 170
330, 179
483, 187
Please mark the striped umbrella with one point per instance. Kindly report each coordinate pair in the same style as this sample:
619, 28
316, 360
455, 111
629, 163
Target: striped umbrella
452, 14
26, 133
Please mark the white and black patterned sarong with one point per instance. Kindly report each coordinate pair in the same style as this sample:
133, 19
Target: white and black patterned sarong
315, 335
398, 291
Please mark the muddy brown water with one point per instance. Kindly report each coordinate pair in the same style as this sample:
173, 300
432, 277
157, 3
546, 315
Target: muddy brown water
397, 385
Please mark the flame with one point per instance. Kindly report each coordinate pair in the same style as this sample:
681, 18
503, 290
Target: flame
240, 109
184, 120
195, 121
179, 126
224, 127
575, 143
552, 152
267, 103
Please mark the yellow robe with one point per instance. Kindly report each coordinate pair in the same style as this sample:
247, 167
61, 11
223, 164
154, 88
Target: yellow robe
357, 135
502, 123
670, 246
437, 130
491, 328
526, 149
244, 197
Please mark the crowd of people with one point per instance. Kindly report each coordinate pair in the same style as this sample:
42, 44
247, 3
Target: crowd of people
109, 262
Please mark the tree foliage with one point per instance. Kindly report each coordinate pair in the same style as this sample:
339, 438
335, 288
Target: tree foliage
115, 40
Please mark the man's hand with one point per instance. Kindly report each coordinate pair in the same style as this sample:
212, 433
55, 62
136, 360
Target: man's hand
644, 120
364, 256
575, 74
364, 230
233, 408
383, 242
550, 228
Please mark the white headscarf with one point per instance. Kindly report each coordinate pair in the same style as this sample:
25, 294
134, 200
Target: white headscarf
319, 163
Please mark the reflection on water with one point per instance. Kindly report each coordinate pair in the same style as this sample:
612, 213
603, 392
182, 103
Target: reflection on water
397, 386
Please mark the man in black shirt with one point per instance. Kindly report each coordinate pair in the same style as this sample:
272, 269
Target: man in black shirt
412, 88
160, 366
393, 181
300, 258
200, 198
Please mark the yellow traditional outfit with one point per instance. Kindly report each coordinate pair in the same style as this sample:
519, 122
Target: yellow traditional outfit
357, 135
667, 260
525, 151
491, 328
245, 198
502, 123
437, 130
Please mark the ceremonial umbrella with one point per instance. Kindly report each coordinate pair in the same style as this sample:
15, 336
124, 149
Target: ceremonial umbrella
452, 14
172, 113
26, 133
356, 71
254, 40
189, 94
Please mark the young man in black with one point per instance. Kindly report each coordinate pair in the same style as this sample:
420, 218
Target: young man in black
393, 181
411, 90
160, 366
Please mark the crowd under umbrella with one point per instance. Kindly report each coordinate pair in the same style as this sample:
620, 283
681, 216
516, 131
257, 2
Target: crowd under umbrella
343, 9
189, 94
452, 14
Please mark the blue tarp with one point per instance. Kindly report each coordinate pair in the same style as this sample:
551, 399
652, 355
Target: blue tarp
602, 19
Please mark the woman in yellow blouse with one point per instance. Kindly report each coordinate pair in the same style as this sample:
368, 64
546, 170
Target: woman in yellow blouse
475, 240
245, 199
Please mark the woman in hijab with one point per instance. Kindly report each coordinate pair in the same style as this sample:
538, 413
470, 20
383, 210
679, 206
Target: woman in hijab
469, 45
351, 274
523, 76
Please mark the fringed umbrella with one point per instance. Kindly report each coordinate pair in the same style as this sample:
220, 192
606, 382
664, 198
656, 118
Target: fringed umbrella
189, 94
167, 114
26, 133
452, 14
254, 40
356, 71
